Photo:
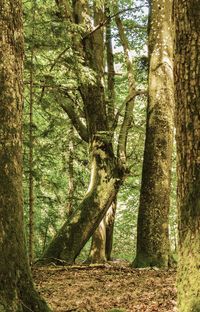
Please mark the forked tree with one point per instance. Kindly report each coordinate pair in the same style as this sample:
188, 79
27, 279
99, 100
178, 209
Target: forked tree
107, 168
17, 292
101, 246
102, 239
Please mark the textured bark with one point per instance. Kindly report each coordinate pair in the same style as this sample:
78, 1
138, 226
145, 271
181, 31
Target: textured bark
187, 78
16, 288
152, 231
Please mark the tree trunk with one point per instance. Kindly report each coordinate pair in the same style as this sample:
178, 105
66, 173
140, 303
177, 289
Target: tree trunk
102, 238
16, 288
104, 184
152, 230
110, 221
187, 78
98, 246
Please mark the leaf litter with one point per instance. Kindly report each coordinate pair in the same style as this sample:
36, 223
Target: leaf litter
113, 287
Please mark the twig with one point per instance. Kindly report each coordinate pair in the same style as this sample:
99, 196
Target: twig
103, 23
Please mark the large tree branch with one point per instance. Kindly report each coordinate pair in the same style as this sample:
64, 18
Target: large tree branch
138, 93
129, 102
76, 121
126, 124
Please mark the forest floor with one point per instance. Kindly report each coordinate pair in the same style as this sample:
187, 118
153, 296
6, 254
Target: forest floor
107, 288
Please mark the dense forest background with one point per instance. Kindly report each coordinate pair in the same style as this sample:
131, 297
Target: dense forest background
56, 164
106, 95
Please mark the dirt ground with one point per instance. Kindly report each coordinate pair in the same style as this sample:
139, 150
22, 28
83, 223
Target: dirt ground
107, 288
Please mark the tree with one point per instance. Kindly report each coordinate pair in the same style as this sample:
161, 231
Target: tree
107, 170
152, 230
17, 292
101, 245
187, 82
102, 239
106, 175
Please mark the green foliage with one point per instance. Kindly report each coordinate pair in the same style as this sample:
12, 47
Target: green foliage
58, 71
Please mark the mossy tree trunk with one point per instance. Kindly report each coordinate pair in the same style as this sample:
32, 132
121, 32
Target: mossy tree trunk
107, 170
17, 292
187, 81
104, 184
106, 174
102, 237
152, 230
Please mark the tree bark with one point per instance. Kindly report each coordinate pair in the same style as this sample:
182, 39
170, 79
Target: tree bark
17, 292
187, 82
152, 231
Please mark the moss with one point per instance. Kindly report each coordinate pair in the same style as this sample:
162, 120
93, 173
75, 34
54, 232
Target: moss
188, 284
195, 307
30, 300
143, 261
2, 308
